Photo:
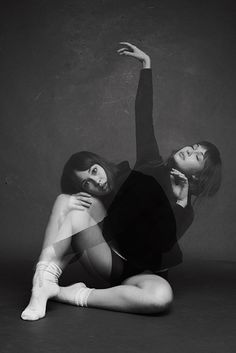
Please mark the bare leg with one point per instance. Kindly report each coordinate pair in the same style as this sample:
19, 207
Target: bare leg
58, 224
97, 255
63, 225
144, 294
45, 286
57, 239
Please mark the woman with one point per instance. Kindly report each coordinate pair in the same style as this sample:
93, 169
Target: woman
124, 224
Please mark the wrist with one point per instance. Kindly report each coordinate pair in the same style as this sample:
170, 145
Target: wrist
146, 62
182, 203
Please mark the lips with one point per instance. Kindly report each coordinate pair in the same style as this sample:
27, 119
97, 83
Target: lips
104, 186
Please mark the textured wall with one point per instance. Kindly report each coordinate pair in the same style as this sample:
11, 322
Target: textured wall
64, 89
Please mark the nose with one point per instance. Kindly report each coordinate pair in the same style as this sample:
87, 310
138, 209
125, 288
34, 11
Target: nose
97, 179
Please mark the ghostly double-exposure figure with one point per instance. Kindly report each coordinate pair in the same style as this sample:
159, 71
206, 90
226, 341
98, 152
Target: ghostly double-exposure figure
123, 224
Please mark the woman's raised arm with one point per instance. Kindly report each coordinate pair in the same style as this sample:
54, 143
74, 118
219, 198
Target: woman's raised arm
146, 145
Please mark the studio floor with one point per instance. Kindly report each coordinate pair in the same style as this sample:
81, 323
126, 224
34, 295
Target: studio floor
202, 319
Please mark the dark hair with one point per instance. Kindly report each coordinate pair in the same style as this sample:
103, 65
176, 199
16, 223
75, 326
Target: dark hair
80, 161
209, 179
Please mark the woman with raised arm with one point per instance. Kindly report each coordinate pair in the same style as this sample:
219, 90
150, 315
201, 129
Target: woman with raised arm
124, 224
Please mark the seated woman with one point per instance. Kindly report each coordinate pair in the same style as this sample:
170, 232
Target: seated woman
124, 224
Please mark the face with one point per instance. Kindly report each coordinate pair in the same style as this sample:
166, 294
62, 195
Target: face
190, 160
94, 180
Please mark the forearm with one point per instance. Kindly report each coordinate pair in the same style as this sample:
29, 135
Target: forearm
184, 217
146, 144
182, 203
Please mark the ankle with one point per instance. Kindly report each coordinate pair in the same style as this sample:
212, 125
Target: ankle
46, 271
82, 295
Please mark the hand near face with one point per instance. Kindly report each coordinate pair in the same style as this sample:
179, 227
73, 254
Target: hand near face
180, 186
80, 201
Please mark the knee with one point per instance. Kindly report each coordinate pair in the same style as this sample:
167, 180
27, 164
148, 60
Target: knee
61, 199
160, 299
61, 203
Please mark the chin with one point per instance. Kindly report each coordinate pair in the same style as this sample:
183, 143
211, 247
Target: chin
178, 163
175, 159
171, 162
102, 193
106, 192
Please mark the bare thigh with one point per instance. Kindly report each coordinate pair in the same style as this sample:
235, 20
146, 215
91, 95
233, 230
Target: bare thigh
95, 252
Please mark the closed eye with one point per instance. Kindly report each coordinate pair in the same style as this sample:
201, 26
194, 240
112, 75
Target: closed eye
200, 156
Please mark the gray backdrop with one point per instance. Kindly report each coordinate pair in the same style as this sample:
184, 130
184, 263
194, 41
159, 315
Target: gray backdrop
64, 89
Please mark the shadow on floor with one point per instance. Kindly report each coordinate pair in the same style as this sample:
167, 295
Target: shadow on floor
202, 318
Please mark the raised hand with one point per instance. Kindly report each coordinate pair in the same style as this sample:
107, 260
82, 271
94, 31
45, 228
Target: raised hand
180, 186
133, 51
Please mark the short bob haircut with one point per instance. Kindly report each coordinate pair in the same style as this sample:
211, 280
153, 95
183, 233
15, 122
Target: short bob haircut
80, 161
208, 181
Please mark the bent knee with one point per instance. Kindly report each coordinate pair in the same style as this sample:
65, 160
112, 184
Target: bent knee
160, 298
61, 200
60, 204
163, 298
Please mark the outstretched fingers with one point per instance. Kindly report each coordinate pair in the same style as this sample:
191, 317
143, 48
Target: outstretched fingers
178, 174
125, 51
129, 45
131, 50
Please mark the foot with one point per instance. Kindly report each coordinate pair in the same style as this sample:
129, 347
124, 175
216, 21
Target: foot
44, 287
69, 294
36, 308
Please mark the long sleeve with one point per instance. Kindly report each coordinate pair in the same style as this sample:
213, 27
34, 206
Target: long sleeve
183, 217
146, 145
142, 218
